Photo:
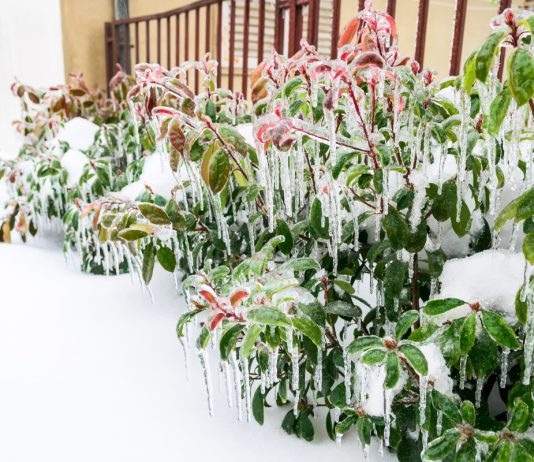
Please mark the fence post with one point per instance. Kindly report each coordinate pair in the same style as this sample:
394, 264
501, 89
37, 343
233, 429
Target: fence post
458, 36
108, 47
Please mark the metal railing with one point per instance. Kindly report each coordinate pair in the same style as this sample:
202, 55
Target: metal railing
239, 42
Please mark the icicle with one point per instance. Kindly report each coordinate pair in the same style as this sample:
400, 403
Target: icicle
246, 380
463, 366
332, 126
462, 158
529, 339
185, 349
347, 370
388, 396
439, 422
237, 385
478, 390
339, 437
203, 356
504, 367
423, 385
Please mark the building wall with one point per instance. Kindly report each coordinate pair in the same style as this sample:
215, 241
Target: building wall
83, 30
83, 37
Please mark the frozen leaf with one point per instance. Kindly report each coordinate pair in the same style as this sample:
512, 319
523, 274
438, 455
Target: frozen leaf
520, 72
442, 447
406, 320
166, 258
149, 258
486, 54
499, 331
309, 329
442, 305
446, 405
528, 248
341, 308
154, 213
374, 356
258, 406
468, 334
498, 110
521, 417
229, 339
269, 316
364, 343
392, 370
251, 335
415, 358
396, 228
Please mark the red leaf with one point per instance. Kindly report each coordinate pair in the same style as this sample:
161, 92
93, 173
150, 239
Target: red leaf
216, 320
237, 296
207, 293
349, 32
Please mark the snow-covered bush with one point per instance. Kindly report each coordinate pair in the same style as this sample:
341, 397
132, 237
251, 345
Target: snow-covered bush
354, 249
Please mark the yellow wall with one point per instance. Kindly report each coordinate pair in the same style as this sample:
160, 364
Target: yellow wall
82, 24
83, 30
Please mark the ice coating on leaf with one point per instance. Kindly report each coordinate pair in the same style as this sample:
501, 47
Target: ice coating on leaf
491, 278
79, 133
247, 131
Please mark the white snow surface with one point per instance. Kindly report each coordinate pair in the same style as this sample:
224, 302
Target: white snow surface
491, 278
79, 133
74, 161
247, 131
91, 370
157, 174
438, 372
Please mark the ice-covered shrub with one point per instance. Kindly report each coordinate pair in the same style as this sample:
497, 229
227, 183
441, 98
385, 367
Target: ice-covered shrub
359, 252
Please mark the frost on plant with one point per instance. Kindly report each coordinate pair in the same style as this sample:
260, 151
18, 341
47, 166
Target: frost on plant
359, 237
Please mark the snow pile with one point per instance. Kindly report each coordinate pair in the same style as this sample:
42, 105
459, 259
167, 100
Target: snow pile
247, 132
157, 175
73, 161
438, 372
491, 278
79, 133
372, 399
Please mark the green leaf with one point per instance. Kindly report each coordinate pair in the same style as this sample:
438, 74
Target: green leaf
154, 213
345, 309
301, 264
415, 357
288, 424
315, 312
528, 247
392, 370
218, 170
405, 321
525, 206
344, 286
520, 418
470, 72
172, 209
468, 412
365, 343
316, 217
374, 356
203, 338
498, 110
282, 229
309, 329
229, 339
507, 213
436, 260
499, 330
467, 452
486, 55
166, 258
396, 228
468, 333
291, 85
395, 275
304, 427
258, 406
251, 335
520, 72
443, 446
444, 204
461, 227
232, 137
442, 305
130, 234
446, 405
364, 427
149, 258
269, 316
341, 160
184, 319
484, 355
521, 307
423, 333
345, 425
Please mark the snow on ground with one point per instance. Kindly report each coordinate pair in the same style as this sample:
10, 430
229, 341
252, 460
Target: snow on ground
79, 133
91, 370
